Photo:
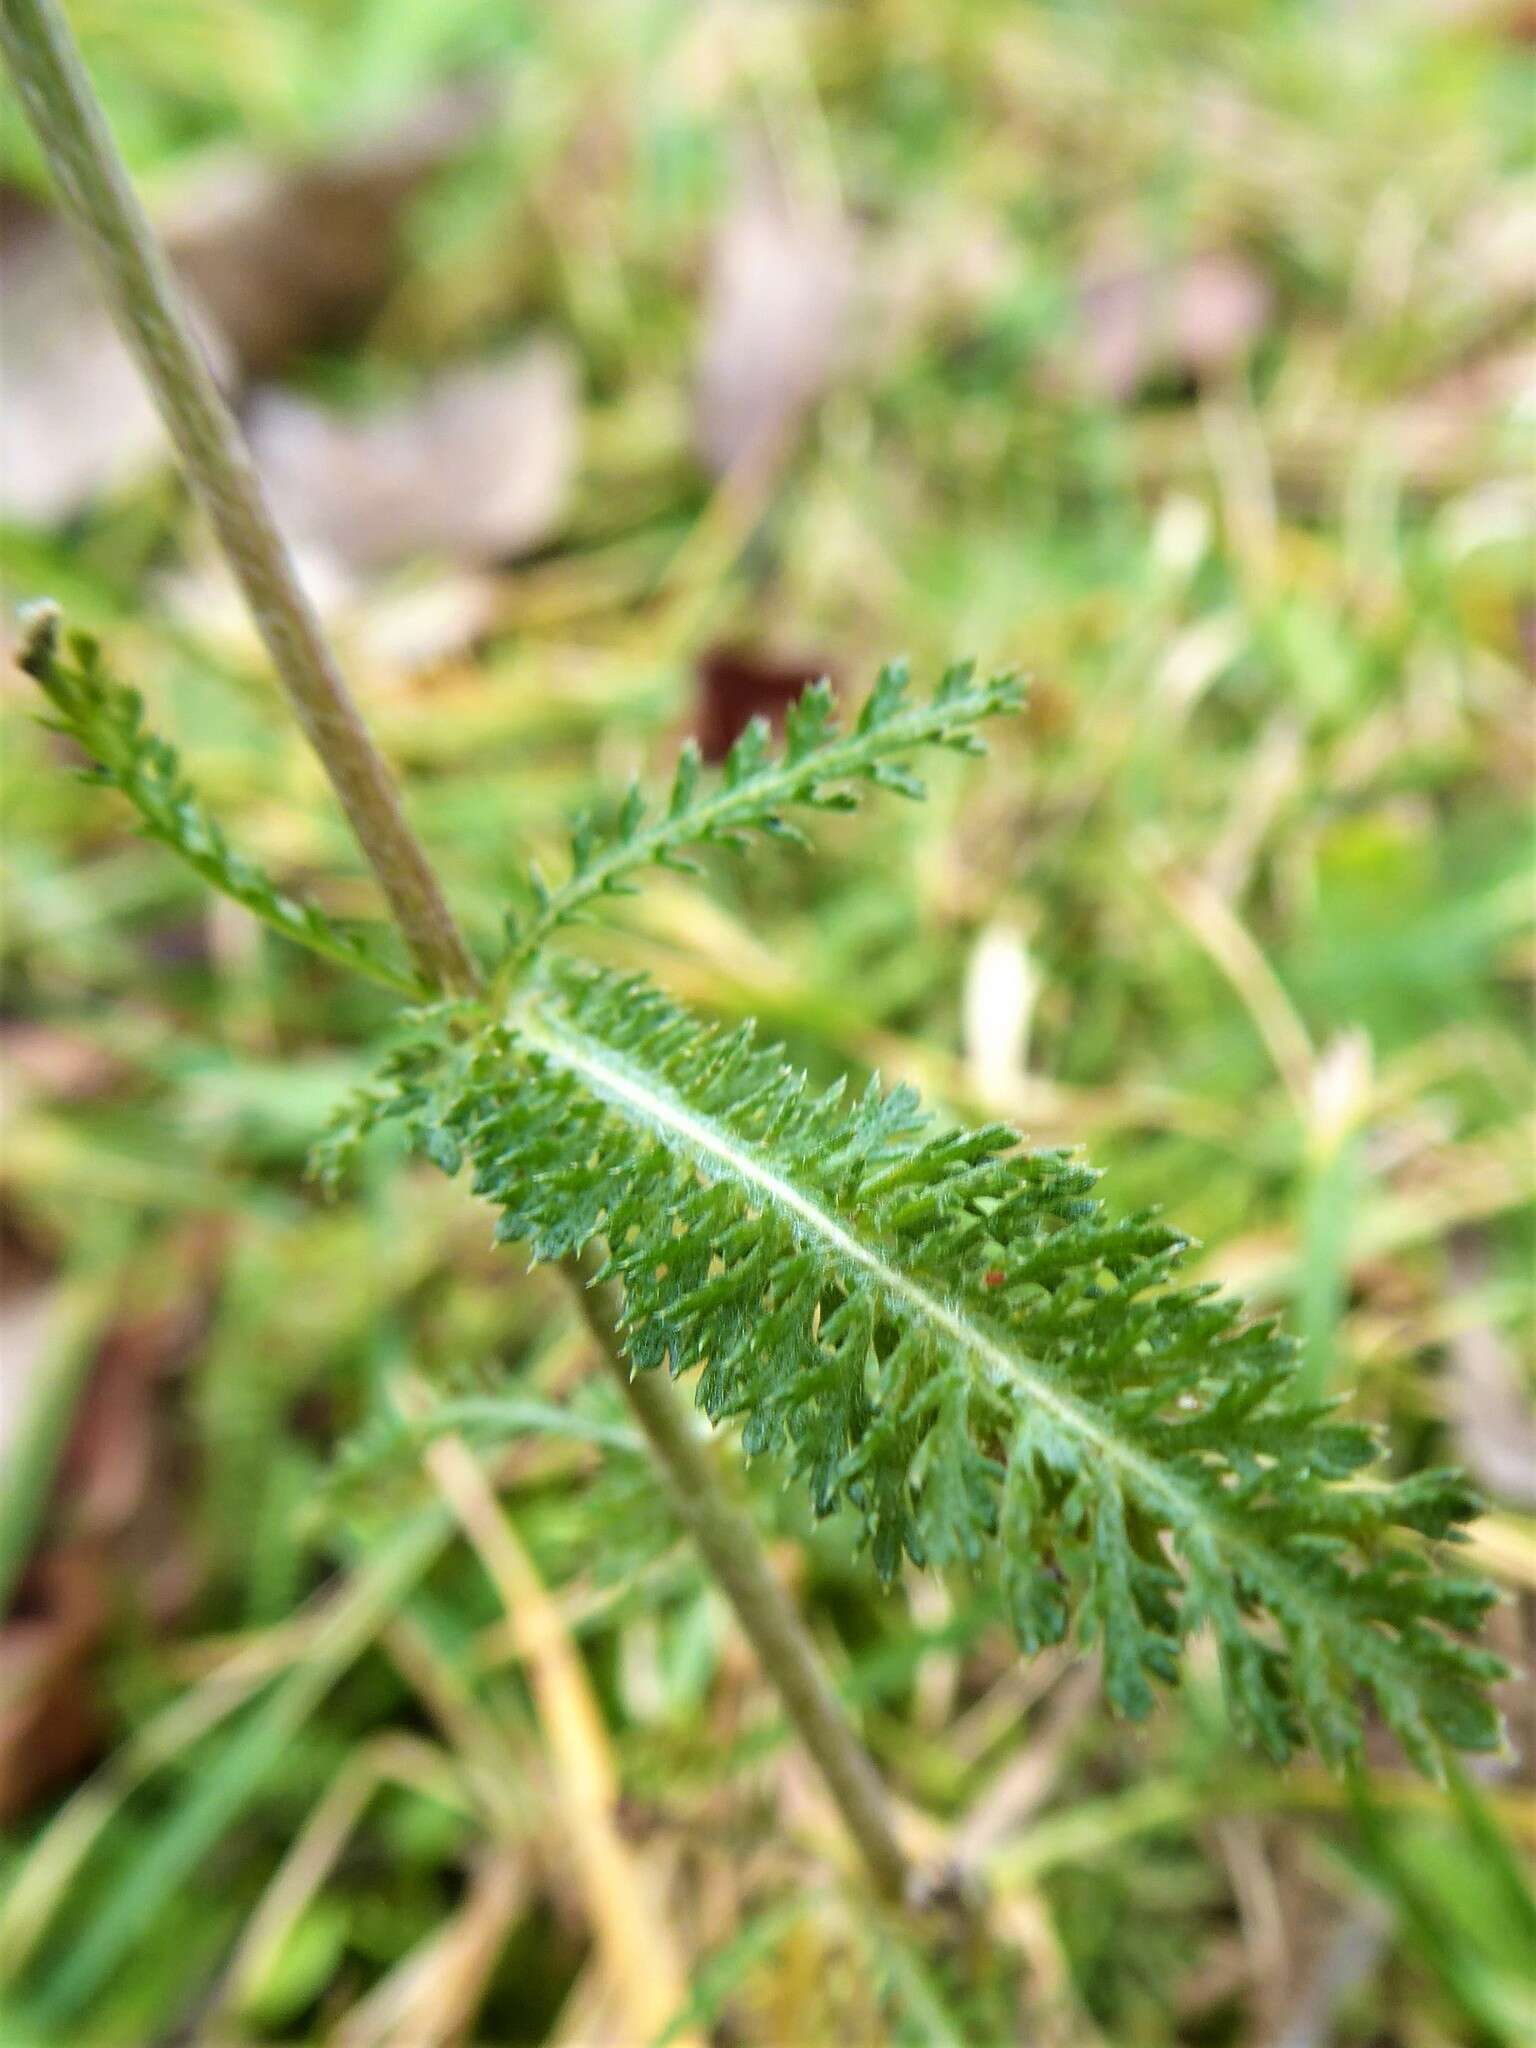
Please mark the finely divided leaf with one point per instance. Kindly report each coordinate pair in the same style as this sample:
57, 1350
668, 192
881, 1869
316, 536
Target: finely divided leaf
106, 719
937, 1329
950, 1335
820, 769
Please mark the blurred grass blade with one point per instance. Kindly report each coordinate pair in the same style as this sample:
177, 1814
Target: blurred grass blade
175, 1850
46, 1398
911, 1985
1506, 1874
1479, 1978
58, 1852
721, 1974
631, 1933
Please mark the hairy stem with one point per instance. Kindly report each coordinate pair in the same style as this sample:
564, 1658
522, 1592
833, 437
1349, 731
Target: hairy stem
735, 1556
100, 200
94, 186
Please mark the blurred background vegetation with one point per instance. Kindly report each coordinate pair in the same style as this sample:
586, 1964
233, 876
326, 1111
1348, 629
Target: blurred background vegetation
616, 369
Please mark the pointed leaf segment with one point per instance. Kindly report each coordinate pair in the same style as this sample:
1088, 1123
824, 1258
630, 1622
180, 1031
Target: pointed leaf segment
106, 720
820, 768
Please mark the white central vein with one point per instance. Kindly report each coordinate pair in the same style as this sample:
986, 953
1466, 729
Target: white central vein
612, 1078
637, 1095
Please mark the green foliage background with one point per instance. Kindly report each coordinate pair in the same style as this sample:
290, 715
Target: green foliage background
1264, 836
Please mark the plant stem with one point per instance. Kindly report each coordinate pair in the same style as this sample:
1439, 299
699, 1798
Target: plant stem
734, 1553
101, 202
105, 210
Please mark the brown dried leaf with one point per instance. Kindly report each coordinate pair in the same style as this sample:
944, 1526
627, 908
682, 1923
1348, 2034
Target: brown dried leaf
272, 260
27, 1315
120, 1468
476, 468
77, 419
737, 685
777, 299
1494, 1419
49, 1723
289, 259
58, 1063
1190, 320
108, 1461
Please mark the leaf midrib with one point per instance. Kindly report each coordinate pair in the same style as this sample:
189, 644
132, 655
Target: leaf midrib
838, 760
619, 1082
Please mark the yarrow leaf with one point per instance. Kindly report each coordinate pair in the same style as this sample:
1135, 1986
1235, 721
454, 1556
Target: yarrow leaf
950, 1336
939, 1330
105, 718
820, 769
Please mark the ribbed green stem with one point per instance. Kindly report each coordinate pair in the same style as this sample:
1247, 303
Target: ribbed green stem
103, 207
100, 200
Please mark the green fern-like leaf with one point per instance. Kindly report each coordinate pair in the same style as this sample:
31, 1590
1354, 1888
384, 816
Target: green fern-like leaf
949, 1335
937, 1329
819, 769
106, 720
